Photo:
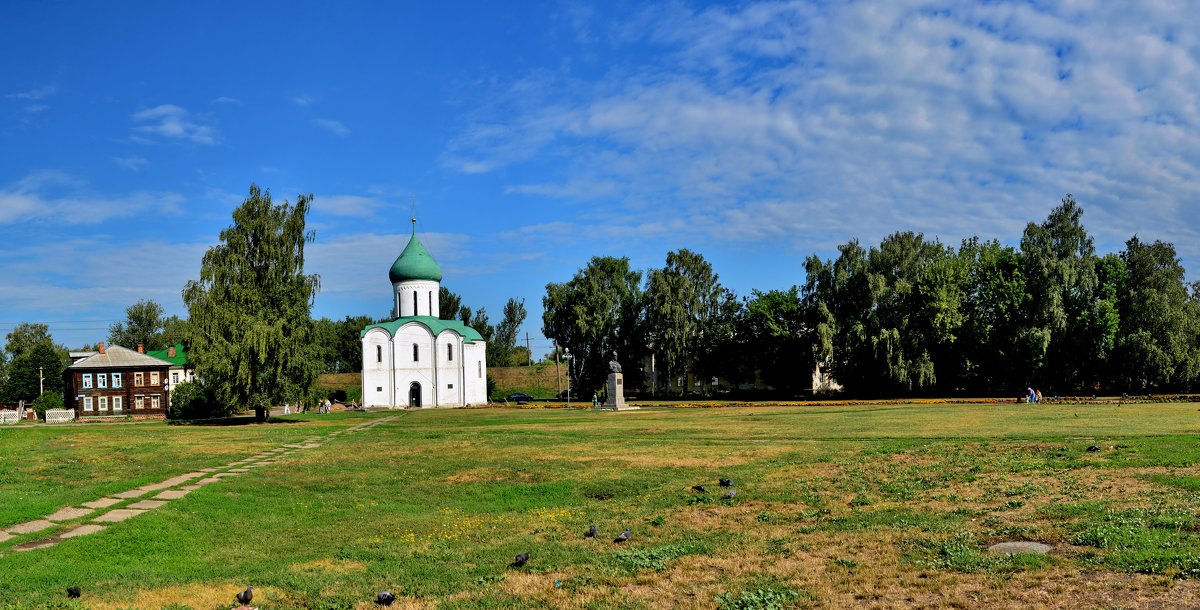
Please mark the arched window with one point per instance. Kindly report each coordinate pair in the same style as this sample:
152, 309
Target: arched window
479, 368
414, 302
450, 351
416, 351
378, 353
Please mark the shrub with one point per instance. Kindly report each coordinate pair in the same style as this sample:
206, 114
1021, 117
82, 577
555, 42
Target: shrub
48, 400
191, 400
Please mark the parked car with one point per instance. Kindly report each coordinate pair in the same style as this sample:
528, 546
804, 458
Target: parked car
519, 398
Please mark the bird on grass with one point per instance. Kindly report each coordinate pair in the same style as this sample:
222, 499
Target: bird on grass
726, 482
591, 532
520, 560
244, 597
1093, 448
700, 488
384, 598
625, 535
73, 592
730, 494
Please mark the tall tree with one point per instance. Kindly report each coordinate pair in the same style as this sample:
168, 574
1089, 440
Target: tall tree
40, 367
144, 325
595, 313
681, 299
175, 330
777, 340
250, 309
449, 304
506, 334
24, 337
1156, 336
993, 304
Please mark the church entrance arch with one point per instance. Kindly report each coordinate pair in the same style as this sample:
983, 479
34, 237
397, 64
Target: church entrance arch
414, 395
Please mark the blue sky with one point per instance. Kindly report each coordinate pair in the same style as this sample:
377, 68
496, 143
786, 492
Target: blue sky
533, 136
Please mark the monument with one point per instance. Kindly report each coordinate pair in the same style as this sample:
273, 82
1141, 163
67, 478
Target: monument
616, 387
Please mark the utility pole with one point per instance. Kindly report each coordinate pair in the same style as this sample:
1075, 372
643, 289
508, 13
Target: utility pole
41, 381
557, 373
528, 351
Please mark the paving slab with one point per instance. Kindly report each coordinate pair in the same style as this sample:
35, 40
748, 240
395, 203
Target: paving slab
82, 530
1020, 546
258, 464
209, 470
132, 493
172, 494
147, 504
102, 503
70, 512
119, 514
30, 527
34, 545
222, 475
190, 487
239, 470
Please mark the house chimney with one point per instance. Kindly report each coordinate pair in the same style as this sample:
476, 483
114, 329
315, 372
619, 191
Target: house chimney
141, 348
171, 352
100, 347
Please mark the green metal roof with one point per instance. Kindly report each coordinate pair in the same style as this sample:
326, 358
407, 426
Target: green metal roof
415, 263
180, 358
435, 326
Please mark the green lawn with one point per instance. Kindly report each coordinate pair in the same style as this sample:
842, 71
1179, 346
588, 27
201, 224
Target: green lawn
837, 506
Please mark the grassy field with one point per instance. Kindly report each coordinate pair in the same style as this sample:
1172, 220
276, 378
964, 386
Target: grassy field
878, 506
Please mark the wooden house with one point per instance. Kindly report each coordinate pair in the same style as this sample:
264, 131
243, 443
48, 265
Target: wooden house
117, 382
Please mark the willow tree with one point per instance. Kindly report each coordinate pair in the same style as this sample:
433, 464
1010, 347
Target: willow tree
250, 322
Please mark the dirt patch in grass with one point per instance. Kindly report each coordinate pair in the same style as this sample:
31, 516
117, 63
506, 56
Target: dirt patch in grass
331, 566
196, 595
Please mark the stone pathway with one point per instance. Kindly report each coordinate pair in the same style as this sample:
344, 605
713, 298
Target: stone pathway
82, 520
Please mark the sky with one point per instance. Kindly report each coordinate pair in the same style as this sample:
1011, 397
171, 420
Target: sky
529, 137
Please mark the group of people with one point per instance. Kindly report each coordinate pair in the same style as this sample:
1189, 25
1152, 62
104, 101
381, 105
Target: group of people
1034, 395
322, 407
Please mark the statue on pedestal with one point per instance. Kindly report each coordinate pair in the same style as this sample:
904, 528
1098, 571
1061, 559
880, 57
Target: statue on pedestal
613, 365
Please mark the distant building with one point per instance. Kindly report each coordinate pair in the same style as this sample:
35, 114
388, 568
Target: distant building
115, 382
181, 370
418, 359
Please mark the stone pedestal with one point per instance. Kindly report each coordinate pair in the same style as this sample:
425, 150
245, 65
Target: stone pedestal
616, 393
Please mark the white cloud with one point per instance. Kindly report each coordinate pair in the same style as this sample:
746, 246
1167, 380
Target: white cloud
332, 126
227, 100
132, 163
304, 101
815, 123
50, 196
172, 122
37, 93
347, 205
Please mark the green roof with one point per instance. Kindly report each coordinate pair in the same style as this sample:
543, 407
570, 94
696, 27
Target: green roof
180, 358
415, 263
435, 326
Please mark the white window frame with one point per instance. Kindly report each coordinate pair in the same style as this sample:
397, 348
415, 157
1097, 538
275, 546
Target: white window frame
174, 377
87, 403
154, 379
116, 380
154, 401
103, 403
116, 404
139, 401
87, 381
139, 379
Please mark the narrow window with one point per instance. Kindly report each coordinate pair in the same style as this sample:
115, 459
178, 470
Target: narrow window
139, 402
431, 302
116, 379
416, 352
87, 381
116, 403
101, 380
450, 352
378, 353
103, 403
414, 302
479, 368
174, 377
154, 401
154, 378
87, 403
139, 380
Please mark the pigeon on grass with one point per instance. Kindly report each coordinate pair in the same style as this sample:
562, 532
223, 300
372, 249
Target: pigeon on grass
520, 560
730, 494
726, 482
591, 532
74, 592
700, 488
625, 535
244, 597
384, 598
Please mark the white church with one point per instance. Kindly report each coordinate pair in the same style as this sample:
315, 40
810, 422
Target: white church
419, 360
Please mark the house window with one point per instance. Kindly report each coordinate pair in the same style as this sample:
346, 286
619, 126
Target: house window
139, 402
116, 403
116, 379
378, 353
450, 351
87, 403
175, 377
101, 380
87, 381
154, 401
103, 403
416, 352
139, 380
154, 378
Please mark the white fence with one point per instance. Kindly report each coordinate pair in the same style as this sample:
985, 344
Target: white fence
58, 416
8, 416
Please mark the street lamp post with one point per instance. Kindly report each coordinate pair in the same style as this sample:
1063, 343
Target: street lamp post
567, 356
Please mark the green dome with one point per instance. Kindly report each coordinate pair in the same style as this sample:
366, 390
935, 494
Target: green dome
415, 263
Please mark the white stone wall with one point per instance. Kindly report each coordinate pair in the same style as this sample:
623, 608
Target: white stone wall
475, 373
410, 371
442, 381
377, 376
426, 301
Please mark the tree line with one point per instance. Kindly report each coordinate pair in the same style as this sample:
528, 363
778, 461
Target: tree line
909, 316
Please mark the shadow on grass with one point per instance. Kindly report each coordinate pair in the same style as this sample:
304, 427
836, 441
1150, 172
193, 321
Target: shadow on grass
235, 420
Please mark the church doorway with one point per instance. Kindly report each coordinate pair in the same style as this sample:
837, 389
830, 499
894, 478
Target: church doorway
414, 395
